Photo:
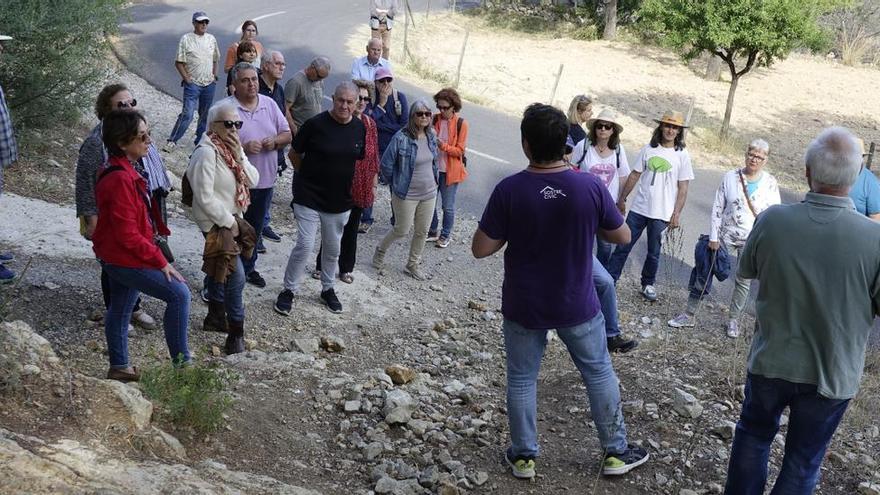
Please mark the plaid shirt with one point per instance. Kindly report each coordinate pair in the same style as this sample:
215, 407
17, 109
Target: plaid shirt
8, 146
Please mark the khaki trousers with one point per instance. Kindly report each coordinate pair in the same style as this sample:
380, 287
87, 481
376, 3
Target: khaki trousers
409, 214
384, 34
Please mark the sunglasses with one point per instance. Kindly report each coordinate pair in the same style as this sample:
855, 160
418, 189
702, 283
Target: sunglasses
423, 114
229, 124
604, 126
443, 107
127, 104
205, 22
387, 80
363, 98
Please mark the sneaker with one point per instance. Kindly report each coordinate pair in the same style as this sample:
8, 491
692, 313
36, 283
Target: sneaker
378, 260
414, 272
443, 242
169, 146
143, 320
522, 468
681, 321
7, 257
732, 329
254, 278
617, 464
261, 249
649, 293
621, 344
203, 293
432, 237
332, 302
316, 274
6, 275
270, 234
363, 228
284, 302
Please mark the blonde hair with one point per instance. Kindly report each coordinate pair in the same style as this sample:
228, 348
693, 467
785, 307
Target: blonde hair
577, 105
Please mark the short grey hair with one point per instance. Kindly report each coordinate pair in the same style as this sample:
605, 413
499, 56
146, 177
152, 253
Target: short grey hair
760, 144
319, 63
268, 56
345, 87
834, 158
411, 126
241, 66
220, 108
375, 40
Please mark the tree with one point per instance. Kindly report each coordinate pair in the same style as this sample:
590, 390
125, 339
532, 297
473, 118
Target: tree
744, 33
610, 31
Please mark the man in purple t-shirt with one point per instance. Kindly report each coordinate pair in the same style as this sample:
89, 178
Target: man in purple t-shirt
549, 216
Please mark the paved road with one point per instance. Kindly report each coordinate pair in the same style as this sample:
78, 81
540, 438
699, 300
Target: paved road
315, 27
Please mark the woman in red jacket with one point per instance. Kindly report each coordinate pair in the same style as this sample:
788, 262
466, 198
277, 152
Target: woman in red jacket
452, 132
124, 242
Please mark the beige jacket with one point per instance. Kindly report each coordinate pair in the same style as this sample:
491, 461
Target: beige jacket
213, 186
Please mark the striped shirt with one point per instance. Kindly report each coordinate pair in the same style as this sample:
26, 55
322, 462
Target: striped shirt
8, 146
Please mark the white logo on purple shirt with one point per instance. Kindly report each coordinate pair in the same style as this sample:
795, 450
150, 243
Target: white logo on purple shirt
550, 193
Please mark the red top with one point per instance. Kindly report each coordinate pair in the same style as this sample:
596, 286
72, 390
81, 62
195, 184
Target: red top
124, 234
365, 170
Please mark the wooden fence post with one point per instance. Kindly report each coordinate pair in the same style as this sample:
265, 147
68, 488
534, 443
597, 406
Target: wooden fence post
556, 84
467, 34
428, 11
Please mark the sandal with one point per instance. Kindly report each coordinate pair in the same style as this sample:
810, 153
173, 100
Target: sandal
346, 277
316, 274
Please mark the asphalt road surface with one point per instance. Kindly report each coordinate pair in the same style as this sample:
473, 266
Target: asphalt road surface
304, 29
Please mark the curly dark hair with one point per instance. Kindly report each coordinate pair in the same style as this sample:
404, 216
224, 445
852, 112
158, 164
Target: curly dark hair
451, 96
244, 47
120, 127
544, 128
103, 105
657, 138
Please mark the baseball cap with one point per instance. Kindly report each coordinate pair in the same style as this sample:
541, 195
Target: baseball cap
382, 73
200, 16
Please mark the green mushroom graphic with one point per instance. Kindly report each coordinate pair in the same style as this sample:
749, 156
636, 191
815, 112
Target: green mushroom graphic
658, 164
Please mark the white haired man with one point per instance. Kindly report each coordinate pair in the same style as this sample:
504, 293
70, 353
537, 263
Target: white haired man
364, 68
819, 269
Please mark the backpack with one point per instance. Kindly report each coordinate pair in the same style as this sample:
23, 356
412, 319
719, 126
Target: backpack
398, 108
586, 150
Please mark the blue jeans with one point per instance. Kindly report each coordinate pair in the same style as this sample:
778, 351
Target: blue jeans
603, 251
125, 286
638, 223
268, 216
447, 200
256, 216
194, 96
230, 292
607, 298
367, 215
587, 347
812, 421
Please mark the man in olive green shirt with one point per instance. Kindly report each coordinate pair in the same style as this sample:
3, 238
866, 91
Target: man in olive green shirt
818, 263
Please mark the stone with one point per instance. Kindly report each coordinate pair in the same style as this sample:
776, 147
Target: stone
686, 404
400, 374
646, 320
633, 406
160, 444
54, 163
30, 369
429, 477
385, 485
479, 478
448, 489
686, 491
351, 406
372, 450
660, 479
476, 305
305, 345
436, 288
867, 460
215, 351
332, 344
874, 431
489, 316
837, 459
399, 406
868, 488
450, 322
116, 403
725, 429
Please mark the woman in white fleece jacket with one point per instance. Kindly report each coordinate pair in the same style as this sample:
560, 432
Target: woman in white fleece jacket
220, 176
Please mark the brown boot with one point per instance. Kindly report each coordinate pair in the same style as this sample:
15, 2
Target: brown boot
235, 338
215, 321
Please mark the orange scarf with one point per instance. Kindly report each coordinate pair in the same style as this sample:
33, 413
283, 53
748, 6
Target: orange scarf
242, 183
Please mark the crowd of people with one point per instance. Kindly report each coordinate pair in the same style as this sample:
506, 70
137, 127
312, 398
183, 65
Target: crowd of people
563, 221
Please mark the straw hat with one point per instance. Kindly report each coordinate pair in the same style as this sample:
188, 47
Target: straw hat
672, 117
606, 115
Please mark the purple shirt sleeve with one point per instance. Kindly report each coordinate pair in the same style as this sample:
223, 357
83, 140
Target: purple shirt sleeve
610, 217
494, 222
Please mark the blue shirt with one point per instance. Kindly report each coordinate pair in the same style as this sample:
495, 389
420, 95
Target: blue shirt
549, 222
865, 193
361, 68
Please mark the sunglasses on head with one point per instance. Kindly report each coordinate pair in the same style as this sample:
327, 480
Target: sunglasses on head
423, 114
603, 126
229, 124
127, 104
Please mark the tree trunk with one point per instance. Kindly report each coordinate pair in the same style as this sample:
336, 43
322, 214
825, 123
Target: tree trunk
610, 20
731, 93
713, 68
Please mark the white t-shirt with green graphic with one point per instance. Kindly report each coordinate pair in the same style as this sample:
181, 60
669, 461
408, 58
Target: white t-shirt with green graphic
661, 169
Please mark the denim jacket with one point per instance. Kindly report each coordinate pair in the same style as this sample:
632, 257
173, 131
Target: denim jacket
399, 161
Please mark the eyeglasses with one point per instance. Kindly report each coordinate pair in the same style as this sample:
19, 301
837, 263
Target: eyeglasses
143, 137
603, 126
757, 158
363, 98
443, 107
127, 104
229, 124
423, 114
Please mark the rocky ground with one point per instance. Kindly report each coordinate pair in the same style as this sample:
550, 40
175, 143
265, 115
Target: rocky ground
402, 393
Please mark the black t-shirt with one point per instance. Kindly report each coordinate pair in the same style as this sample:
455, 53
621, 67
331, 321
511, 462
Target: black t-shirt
331, 149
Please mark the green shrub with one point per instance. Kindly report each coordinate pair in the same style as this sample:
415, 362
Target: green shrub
51, 69
192, 396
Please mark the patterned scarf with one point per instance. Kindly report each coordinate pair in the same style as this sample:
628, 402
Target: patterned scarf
242, 183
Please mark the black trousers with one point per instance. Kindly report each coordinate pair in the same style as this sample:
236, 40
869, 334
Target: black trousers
349, 243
